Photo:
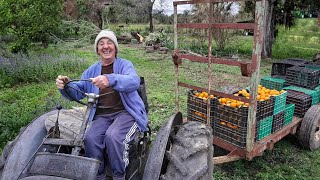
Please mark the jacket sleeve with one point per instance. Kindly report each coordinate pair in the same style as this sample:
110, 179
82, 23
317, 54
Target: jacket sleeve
126, 81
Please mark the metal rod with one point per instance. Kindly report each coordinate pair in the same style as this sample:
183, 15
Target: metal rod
175, 38
80, 137
209, 64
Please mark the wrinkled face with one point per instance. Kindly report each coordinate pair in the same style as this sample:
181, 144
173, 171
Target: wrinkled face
106, 50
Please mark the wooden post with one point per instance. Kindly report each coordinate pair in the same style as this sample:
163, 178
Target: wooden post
255, 66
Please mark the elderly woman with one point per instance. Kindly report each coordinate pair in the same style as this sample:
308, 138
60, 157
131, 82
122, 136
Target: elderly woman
120, 113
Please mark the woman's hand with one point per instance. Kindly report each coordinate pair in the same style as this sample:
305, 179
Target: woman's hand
100, 81
61, 81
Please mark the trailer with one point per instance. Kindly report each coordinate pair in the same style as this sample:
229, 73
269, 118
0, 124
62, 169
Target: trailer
247, 144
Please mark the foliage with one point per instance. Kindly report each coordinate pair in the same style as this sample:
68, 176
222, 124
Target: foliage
20, 68
221, 14
29, 21
160, 38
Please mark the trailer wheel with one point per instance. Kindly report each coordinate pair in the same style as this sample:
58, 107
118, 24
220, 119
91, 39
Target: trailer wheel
191, 153
309, 132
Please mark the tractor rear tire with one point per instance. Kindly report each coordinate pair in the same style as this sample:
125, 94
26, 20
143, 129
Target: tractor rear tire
309, 131
191, 154
6, 150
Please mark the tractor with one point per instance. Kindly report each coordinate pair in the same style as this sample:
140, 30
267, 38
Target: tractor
180, 151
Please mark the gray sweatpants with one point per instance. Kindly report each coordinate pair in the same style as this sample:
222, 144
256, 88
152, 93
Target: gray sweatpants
107, 140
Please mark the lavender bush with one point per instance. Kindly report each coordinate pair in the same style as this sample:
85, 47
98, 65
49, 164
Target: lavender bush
21, 68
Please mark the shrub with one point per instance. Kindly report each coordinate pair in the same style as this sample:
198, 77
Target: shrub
20, 68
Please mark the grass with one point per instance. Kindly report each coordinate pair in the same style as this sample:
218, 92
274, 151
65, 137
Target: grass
23, 102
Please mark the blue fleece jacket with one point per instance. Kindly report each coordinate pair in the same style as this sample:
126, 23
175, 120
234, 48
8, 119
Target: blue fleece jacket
124, 79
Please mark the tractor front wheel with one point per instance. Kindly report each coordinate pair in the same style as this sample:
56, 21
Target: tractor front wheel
191, 153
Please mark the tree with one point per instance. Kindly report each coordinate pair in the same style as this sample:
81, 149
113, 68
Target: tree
221, 14
30, 21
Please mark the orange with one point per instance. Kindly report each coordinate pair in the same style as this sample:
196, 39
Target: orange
223, 100
239, 103
211, 96
233, 105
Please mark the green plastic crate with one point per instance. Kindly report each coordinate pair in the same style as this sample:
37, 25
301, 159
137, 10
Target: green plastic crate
315, 94
310, 66
264, 127
288, 114
272, 83
318, 90
280, 102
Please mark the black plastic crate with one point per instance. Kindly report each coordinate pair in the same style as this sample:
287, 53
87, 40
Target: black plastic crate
277, 122
235, 136
230, 124
265, 108
303, 77
279, 69
302, 102
197, 108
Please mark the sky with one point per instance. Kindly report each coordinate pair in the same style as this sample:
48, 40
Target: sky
168, 7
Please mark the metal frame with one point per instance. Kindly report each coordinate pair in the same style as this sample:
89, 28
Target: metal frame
252, 69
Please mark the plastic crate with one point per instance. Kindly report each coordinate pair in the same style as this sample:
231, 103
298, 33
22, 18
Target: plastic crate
303, 77
279, 69
312, 66
265, 108
277, 122
280, 102
197, 108
272, 83
263, 128
230, 124
288, 114
315, 94
302, 102
317, 89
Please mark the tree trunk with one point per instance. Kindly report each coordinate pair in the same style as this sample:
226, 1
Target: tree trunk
268, 30
100, 19
150, 16
319, 17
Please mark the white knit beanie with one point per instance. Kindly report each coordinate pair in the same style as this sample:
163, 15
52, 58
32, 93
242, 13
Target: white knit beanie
106, 34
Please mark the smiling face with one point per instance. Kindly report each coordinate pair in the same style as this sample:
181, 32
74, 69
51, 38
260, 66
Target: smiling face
106, 50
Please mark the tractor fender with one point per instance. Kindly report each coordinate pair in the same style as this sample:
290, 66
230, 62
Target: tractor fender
155, 159
25, 146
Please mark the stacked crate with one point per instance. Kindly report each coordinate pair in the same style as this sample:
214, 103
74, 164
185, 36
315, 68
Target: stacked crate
230, 124
197, 107
288, 114
315, 94
273, 83
279, 69
303, 77
302, 102
279, 111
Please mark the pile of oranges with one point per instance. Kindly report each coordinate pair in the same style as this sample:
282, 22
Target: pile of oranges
263, 95
203, 95
229, 125
232, 103
200, 114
